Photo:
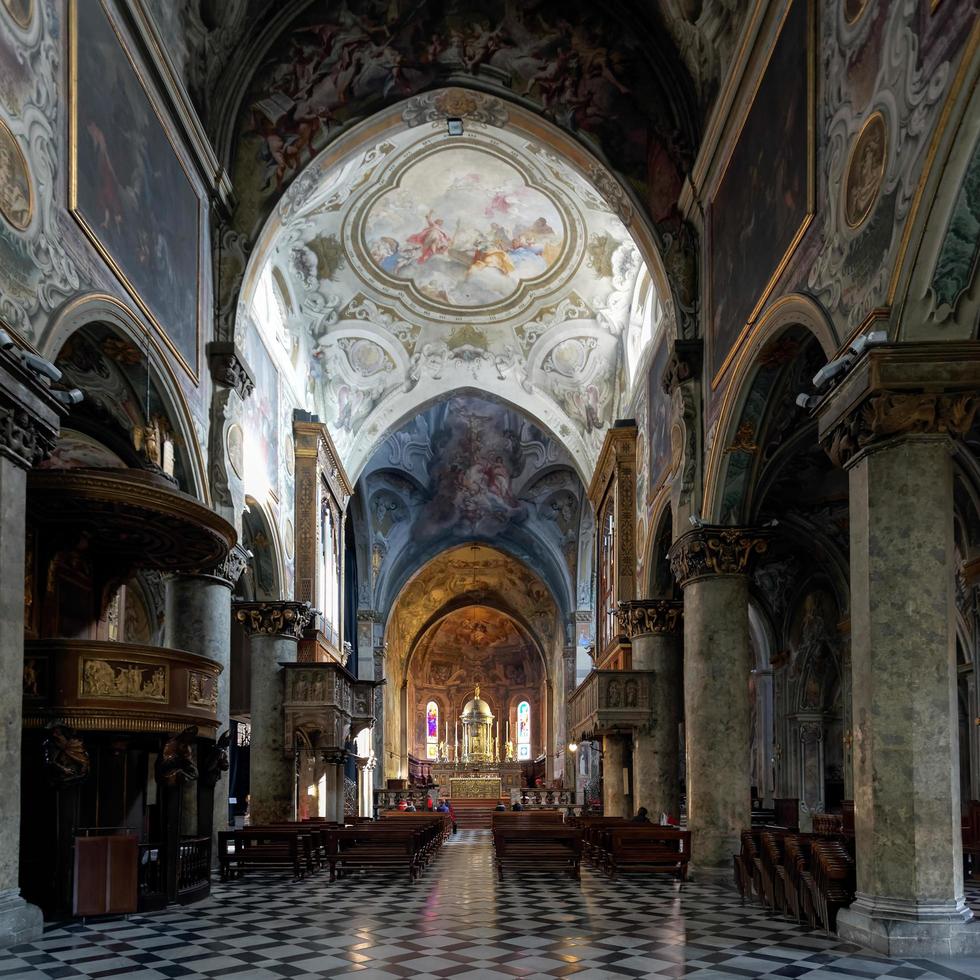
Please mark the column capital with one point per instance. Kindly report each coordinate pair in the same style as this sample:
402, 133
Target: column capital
30, 416
638, 616
286, 618
228, 571
229, 368
898, 390
713, 549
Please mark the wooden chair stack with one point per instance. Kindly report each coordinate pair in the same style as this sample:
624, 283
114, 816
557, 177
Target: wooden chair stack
536, 840
807, 877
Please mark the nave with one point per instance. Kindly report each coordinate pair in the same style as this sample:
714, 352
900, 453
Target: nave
458, 921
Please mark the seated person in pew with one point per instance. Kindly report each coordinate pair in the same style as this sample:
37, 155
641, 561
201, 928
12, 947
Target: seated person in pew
641, 816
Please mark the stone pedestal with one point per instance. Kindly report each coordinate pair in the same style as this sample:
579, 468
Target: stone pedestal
274, 629
29, 420
198, 619
897, 448
613, 762
712, 563
654, 628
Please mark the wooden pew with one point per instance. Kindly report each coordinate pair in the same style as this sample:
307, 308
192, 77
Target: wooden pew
266, 849
542, 846
406, 841
644, 848
591, 839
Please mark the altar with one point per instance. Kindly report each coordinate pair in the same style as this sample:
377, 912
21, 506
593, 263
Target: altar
506, 774
474, 788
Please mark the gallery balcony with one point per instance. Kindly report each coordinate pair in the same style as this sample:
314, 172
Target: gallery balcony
96, 685
609, 702
326, 703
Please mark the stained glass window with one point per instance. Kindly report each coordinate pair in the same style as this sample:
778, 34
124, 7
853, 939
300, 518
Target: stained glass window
432, 730
524, 730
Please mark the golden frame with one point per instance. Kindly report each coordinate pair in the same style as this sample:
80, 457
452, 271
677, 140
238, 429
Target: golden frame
192, 370
142, 663
27, 174
811, 186
846, 182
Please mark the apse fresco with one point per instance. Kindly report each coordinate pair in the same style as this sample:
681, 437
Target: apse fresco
129, 189
763, 201
465, 228
334, 67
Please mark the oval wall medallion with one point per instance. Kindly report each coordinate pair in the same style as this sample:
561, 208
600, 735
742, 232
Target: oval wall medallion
16, 193
865, 170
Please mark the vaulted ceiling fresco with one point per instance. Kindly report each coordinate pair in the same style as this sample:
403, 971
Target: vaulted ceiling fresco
462, 578
470, 469
424, 263
476, 645
587, 67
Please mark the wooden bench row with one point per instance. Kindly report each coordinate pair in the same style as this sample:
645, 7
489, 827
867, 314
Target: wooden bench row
615, 845
406, 842
807, 877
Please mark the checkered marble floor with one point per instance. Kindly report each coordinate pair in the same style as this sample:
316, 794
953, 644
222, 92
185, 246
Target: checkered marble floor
457, 921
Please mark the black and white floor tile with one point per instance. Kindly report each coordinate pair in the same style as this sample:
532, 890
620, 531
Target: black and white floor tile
459, 922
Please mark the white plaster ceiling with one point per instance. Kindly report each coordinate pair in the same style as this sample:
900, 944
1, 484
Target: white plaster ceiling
425, 263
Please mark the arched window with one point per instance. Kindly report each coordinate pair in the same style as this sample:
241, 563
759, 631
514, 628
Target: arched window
432, 730
524, 730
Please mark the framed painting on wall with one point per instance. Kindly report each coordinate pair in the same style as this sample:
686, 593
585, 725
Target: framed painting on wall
764, 201
127, 186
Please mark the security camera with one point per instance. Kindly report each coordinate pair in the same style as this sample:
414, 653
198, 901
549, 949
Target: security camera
72, 397
874, 338
6, 341
773, 523
696, 521
41, 366
808, 402
832, 371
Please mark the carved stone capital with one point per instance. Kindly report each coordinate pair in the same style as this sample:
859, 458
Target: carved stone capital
684, 364
716, 550
228, 571
889, 414
287, 619
29, 414
228, 367
899, 390
637, 616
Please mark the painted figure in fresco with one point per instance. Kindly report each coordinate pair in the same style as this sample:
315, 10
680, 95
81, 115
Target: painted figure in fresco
15, 201
432, 239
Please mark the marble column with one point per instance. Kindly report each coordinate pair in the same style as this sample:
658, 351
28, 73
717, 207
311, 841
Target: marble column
274, 629
29, 420
654, 627
897, 449
613, 762
711, 564
198, 619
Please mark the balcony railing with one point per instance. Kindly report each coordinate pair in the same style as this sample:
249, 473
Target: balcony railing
610, 701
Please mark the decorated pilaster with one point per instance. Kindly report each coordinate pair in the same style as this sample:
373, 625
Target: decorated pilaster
892, 424
233, 383
654, 628
198, 619
712, 565
274, 629
29, 421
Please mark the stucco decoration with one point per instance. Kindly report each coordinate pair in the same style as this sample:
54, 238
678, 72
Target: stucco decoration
421, 263
36, 270
471, 469
893, 61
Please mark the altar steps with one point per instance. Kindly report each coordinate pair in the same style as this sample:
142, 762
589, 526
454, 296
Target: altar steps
475, 814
